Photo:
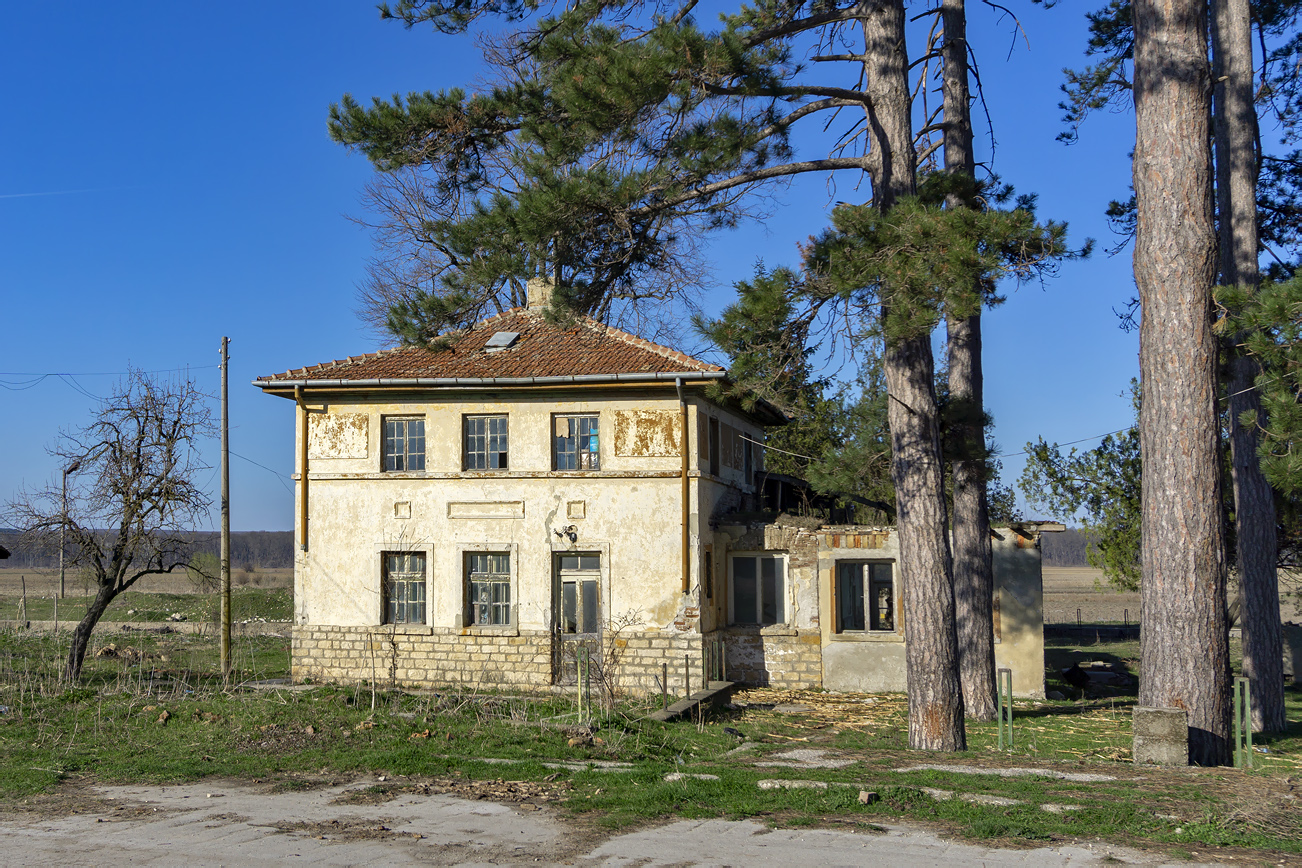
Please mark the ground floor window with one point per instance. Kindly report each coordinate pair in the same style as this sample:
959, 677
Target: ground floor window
580, 583
758, 588
404, 588
488, 581
865, 596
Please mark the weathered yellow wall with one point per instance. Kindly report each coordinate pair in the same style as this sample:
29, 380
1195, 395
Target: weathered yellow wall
629, 511
873, 662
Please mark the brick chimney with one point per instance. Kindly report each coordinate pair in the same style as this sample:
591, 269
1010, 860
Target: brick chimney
538, 293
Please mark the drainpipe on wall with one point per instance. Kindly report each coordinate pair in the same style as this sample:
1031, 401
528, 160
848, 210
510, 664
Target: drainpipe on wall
302, 468
687, 541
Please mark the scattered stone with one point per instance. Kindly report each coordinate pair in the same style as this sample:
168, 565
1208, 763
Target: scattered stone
804, 758
1055, 695
1079, 777
744, 747
868, 798
1161, 736
792, 709
971, 798
770, 784
673, 777
1060, 809
177, 616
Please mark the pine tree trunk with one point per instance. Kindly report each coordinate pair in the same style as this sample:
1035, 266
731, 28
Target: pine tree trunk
1184, 644
925, 569
974, 581
1235, 120
81, 635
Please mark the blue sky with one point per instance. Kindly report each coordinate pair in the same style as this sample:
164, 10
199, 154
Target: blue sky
166, 179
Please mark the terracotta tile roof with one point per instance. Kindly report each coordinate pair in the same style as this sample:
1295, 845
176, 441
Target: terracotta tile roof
586, 348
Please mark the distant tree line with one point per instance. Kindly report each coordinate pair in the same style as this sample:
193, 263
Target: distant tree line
253, 549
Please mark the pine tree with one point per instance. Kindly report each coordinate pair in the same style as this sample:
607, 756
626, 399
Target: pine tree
1184, 642
616, 132
1249, 215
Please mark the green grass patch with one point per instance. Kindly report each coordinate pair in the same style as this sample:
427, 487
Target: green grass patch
153, 710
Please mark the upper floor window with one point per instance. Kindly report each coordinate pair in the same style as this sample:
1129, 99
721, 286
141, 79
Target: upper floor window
404, 443
574, 443
404, 588
865, 597
488, 584
758, 589
485, 443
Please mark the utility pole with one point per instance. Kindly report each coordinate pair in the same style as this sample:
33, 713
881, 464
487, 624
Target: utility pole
63, 519
226, 524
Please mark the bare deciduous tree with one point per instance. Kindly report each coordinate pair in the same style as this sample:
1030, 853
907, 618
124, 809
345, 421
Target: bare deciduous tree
134, 501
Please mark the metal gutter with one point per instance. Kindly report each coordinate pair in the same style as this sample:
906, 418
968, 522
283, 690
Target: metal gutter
434, 382
686, 492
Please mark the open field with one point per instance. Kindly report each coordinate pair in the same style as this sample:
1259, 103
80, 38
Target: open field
1067, 589
44, 583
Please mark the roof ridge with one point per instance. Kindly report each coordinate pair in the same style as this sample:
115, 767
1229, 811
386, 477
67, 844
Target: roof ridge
642, 343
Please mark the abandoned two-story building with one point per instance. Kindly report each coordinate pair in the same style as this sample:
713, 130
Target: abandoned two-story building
475, 511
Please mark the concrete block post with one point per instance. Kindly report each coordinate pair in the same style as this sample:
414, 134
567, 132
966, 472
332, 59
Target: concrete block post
1161, 736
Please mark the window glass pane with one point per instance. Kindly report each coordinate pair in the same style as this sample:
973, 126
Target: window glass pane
569, 562
589, 624
771, 590
589, 562
850, 597
486, 442
574, 443
404, 588
404, 444
881, 598
745, 596
569, 605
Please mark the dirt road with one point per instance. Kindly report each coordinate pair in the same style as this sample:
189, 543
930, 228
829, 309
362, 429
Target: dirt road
347, 824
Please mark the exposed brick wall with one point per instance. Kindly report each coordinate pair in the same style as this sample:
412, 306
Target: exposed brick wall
769, 659
642, 657
351, 654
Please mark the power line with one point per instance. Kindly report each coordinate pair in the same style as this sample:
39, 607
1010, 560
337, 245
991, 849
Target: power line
281, 477
44, 374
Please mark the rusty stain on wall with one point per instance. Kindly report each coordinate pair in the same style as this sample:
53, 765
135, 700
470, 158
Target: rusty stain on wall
339, 435
648, 433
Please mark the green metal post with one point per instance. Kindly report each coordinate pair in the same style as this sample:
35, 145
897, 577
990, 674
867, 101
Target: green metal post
1004, 686
1242, 723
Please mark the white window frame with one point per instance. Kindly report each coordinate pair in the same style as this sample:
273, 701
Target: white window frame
574, 422
422, 584
511, 604
407, 454
488, 436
